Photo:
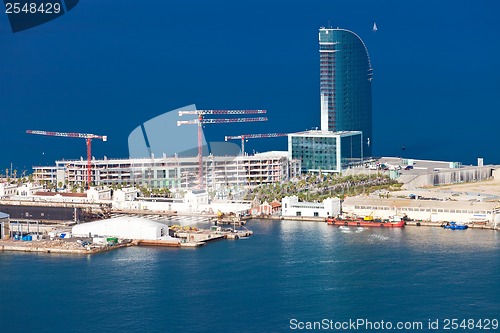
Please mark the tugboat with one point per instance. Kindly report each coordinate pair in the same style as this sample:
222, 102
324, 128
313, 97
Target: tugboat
394, 222
455, 226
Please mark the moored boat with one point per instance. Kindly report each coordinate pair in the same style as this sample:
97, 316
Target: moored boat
395, 222
455, 226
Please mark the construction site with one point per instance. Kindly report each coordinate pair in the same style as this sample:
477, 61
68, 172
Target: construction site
202, 170
202, 184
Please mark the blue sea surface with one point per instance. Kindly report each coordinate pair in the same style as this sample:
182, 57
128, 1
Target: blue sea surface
286, 270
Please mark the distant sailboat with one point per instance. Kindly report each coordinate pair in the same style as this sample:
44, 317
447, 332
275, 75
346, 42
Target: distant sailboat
375, 27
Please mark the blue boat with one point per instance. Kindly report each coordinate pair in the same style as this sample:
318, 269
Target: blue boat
455, 226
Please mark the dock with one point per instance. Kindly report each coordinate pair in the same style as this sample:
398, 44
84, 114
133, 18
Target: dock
180, 238
411, 223
441, 224
55, 246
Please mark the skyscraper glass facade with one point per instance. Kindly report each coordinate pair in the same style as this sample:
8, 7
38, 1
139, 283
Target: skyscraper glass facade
326, 151
315, 153
345, 84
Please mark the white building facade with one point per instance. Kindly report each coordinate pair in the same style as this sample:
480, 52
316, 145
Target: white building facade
425, 210
291, 206
175, 172
7, 190
29, 189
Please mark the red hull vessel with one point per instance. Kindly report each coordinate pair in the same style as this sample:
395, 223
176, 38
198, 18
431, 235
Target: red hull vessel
359, 222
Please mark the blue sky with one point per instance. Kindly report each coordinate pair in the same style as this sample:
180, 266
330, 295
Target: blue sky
107, 66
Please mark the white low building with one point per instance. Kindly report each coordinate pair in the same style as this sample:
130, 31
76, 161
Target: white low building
7, 190
28, 189
124, 227
195, 201
425, 210
99, 193
291, 206
125, 194
195, 198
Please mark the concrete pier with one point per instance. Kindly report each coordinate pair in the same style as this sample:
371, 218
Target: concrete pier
55, 247
441, 224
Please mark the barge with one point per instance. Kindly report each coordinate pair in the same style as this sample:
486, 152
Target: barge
394, 222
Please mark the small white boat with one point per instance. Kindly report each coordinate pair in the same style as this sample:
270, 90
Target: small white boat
375, 27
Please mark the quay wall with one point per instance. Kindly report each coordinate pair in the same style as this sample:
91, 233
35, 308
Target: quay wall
425, 210
419, 223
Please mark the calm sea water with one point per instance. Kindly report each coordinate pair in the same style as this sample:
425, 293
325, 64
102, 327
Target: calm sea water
287, 270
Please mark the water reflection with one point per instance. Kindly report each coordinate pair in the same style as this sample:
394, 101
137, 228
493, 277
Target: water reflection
437, 239
424, 239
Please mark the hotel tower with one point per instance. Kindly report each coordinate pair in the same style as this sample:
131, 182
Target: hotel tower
345, 84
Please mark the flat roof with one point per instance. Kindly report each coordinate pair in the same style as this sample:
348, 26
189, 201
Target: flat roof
421, 167
322, 133
272, 153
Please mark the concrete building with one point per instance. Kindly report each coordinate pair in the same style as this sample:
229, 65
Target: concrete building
290, 206
196, 198
192, 201
175, 172
345, 84
424, 173
125, 194
28, 189
123, 227
426, 210
99, 193
4, 225
7, 190
326, 151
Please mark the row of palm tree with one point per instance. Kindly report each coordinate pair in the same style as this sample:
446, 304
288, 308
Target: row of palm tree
317, 187
155, 192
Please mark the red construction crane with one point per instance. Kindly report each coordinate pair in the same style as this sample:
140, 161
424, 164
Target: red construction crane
202, 121
243, 137
85, 136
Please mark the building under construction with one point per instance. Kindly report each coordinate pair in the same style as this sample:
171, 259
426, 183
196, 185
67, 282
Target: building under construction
174, 172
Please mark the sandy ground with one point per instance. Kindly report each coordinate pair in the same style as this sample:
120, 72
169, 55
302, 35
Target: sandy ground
488, 190
486, 187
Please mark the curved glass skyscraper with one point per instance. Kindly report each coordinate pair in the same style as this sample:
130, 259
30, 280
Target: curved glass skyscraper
346, 89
